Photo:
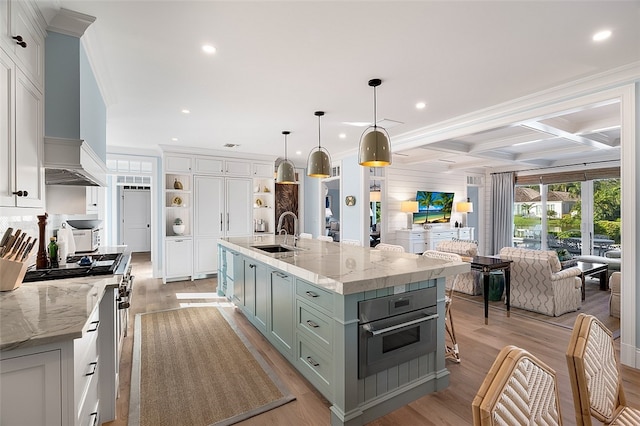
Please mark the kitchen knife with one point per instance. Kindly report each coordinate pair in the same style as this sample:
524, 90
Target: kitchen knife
21, 249
27, 251
7, 247
5, 237
18, 243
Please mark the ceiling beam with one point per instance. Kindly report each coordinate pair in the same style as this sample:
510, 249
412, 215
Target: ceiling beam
564, 134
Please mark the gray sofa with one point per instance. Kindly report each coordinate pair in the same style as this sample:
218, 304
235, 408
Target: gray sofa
611, 258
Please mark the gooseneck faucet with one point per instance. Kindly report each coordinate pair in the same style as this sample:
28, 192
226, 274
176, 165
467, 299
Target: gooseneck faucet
280, 230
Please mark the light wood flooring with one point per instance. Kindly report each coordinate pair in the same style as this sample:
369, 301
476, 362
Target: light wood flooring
479, 344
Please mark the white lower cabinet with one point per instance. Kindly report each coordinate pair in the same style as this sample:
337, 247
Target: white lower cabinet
70, 383
178, 258
31, 389
419, 240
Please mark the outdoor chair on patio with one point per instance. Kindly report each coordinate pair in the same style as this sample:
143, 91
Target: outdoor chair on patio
450, 350
595, 377
519, 389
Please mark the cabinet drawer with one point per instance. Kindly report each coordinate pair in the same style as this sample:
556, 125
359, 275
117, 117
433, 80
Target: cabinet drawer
465, 234
314, 295
89, 411
315, 325
315, 365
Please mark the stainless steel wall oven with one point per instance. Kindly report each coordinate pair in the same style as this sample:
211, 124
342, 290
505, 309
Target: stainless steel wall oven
395, 329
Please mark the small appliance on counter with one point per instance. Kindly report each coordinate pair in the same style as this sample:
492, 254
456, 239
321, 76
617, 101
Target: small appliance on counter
86, 235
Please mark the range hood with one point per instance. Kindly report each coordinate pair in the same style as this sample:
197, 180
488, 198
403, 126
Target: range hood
72, 162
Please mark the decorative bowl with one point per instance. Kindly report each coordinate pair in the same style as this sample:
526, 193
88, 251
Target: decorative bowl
85, 223
178, 229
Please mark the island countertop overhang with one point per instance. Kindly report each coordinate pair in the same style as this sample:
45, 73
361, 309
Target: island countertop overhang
341, 268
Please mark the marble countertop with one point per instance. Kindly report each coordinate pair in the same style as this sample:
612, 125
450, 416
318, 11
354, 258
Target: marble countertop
43, 312
342, 268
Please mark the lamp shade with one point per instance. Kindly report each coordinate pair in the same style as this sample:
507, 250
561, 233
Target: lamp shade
319, 163
409, 206
375, 196
286, 173
464, 206
375, 149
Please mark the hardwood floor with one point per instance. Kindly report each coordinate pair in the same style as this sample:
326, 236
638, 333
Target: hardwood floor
479, 344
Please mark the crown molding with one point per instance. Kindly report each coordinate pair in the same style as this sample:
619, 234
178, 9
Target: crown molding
70, 23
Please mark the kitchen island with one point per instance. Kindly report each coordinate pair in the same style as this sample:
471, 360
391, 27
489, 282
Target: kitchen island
58, 351
315, 303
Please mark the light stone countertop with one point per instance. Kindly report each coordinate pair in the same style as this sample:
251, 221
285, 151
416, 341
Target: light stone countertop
43, 312
343, 268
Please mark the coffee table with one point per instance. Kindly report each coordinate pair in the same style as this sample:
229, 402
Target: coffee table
589, 268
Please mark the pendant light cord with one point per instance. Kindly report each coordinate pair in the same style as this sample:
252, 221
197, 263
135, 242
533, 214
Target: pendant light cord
285, 147
375, 103
319, 147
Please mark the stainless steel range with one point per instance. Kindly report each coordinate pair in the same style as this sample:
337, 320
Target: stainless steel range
78, 266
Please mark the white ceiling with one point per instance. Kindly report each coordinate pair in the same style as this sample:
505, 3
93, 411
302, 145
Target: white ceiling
278, 62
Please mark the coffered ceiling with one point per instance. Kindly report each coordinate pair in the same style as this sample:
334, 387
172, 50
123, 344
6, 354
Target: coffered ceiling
278, 62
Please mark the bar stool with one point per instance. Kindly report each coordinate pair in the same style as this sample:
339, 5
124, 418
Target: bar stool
450, 351
389, 247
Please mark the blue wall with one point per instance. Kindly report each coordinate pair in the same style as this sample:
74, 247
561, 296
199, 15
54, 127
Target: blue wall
74, 107
62, 88
93, 111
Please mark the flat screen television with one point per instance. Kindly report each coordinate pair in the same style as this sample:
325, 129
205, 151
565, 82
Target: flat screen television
433, 207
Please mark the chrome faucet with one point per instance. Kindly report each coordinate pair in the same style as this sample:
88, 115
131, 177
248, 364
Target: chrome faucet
280, 230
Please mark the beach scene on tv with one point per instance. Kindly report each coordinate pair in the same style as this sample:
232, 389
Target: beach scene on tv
433, 207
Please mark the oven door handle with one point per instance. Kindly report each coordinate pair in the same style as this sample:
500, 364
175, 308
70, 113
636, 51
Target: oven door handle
402, 325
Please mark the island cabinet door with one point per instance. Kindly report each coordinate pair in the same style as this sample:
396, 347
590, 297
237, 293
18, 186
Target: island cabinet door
249, 292
281, 301
262, 286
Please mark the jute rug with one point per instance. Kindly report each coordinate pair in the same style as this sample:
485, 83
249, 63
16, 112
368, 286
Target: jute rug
192, 366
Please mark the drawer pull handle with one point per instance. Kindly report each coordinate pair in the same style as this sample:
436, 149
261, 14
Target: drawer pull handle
94, 367
312, 362
95, 418
311, 294
280, 274
95, 328
312, 324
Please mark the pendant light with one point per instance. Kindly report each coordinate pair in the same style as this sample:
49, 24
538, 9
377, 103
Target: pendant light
375, 149
286, 170
319, 161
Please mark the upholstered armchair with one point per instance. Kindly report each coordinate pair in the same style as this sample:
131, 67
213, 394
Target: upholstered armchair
539, 284
469, 282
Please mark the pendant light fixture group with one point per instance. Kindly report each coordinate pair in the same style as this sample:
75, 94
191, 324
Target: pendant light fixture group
375, 149
286, 170
319, 161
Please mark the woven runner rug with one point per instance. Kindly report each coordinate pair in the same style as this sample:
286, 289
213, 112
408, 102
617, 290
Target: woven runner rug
192, 366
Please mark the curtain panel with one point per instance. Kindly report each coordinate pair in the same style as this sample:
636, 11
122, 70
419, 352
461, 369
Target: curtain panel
502, 197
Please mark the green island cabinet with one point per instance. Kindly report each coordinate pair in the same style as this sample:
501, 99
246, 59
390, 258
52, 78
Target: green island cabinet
316, 330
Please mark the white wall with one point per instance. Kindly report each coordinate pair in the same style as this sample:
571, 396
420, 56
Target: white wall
403, 182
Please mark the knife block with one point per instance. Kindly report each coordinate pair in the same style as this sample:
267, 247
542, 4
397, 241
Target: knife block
11, 274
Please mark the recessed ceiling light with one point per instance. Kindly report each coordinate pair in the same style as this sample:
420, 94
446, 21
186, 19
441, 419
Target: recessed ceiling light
174, 139
186, 111
207, 48
421, 105
342, 135
298, 152
601, 35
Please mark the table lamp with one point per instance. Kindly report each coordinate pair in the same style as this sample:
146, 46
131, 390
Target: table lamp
464, 207
409, 207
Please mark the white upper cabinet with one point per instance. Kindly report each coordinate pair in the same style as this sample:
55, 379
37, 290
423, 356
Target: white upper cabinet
21, 138
23, 39
209, 165
265, 170
237, 168
178, 164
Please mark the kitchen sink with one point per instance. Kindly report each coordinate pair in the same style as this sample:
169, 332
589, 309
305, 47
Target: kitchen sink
275, 249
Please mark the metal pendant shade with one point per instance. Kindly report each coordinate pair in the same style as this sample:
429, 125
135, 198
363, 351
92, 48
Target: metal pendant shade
375, 148
319, 161
286, 171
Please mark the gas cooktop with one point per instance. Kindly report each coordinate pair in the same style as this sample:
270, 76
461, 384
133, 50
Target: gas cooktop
78, 266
